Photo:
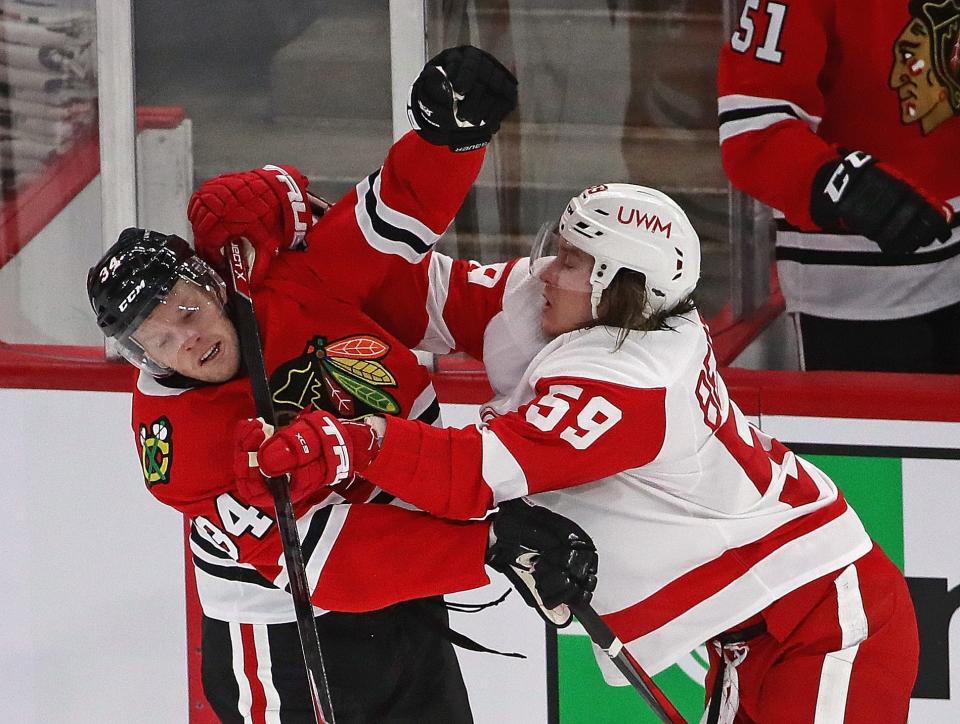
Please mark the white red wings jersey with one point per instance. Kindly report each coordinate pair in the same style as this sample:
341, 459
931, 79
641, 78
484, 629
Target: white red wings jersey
700, 519
797, 81
320, 349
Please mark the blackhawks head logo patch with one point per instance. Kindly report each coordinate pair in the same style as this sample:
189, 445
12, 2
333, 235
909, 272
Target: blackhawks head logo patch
344, 377
156, 451
926, 64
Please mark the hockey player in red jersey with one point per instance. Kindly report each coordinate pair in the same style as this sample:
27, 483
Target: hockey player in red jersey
708, 529
165, 309
842, 116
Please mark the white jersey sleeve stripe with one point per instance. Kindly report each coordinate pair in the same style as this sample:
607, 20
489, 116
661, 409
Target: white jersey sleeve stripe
422, 408
838, 665
331, 531
398, 218
387, 230
500, 469
319, 528
741, 114
437, 337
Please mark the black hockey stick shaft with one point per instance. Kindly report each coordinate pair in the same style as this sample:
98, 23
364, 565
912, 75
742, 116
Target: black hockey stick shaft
639, 679
252, 354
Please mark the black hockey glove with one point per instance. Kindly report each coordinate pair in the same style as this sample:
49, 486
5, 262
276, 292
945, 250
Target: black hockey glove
460, 98
860, 196
550, 560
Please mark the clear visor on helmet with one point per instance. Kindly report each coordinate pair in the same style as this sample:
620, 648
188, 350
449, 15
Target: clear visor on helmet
546, 245
192, 301
551, 251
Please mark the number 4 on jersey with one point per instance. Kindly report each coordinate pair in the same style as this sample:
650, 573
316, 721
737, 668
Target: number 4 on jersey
238, 518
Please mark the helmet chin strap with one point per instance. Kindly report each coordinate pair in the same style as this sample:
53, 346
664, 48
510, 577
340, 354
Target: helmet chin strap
596, 287
595, 295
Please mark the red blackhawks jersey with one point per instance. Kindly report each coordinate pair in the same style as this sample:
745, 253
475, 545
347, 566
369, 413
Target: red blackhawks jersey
322, 350
700, 519
797, 81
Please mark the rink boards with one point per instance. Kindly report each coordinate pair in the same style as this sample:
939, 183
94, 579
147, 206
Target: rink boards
99, 605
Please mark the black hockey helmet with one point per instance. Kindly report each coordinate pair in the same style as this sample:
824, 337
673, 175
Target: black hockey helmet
134, 276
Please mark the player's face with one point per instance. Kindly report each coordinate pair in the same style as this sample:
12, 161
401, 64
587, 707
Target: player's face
190, 333
566, 291
922, 96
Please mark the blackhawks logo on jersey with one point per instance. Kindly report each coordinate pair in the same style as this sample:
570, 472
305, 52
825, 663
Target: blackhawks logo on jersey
156, 451
926, 64
343, 377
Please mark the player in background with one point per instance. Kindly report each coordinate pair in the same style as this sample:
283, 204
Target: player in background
708, 529
842, 116
165, 309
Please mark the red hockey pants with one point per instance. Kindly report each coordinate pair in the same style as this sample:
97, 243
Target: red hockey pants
842, 649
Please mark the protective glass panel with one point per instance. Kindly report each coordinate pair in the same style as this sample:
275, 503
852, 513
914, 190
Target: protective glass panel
300, 82
608, 92
50, 207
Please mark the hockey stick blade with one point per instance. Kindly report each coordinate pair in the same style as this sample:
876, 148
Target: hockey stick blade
639, 679
252, 353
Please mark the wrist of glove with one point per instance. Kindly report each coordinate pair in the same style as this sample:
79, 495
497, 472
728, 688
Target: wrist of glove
268, 206
550, 560
858, 195
316, 450
460, 98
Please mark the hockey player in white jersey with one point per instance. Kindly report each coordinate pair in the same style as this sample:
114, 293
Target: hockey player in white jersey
707, 529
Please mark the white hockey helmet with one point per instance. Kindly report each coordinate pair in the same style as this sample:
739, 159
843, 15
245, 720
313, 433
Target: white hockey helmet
624, 226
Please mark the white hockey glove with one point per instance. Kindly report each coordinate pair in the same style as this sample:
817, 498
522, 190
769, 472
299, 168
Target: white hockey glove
550, 560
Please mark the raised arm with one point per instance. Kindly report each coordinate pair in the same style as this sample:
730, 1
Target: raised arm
456, 104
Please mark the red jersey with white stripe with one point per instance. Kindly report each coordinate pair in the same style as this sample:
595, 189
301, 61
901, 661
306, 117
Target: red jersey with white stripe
320, 349
797, 81
700, 519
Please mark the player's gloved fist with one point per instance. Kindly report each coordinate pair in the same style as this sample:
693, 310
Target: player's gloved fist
268, 206
549, 559
317, 450
460, 98
248, 436
858, 195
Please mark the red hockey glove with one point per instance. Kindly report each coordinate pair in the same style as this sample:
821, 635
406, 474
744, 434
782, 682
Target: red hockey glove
248, 436
268, 206
861, 196
317, 450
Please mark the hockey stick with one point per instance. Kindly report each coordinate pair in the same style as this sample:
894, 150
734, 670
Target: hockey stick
252, 354
603, 637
